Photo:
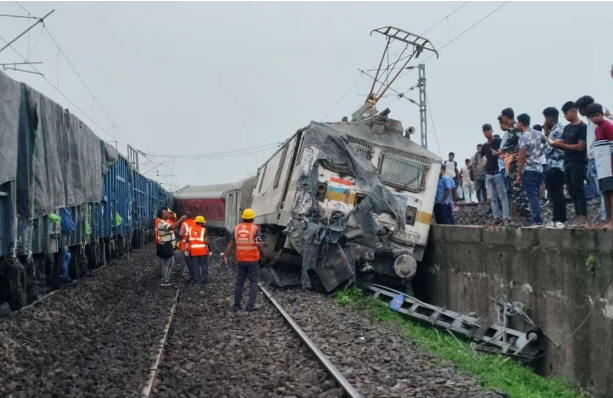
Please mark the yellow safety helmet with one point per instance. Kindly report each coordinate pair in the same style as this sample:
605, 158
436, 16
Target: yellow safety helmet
200, 219
248, 214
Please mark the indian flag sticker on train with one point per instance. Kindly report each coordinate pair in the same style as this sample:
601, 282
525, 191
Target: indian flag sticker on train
341, 181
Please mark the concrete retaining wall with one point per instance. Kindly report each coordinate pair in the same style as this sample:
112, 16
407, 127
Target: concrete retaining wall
466, 267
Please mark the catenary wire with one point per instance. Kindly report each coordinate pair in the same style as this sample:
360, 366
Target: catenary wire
74, 69
61, 50
433, 126
342, 97
59, 91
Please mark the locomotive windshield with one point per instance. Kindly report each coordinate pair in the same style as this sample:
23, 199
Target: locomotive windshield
403, 170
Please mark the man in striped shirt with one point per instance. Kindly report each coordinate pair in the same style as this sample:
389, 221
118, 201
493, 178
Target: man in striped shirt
165, 243
603, 147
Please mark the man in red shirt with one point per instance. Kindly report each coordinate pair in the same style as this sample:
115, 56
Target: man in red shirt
603, 147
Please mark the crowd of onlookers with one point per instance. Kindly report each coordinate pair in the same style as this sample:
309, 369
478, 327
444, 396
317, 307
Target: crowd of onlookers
528, 166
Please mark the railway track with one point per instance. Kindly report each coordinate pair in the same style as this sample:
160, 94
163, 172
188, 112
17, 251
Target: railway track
349, 390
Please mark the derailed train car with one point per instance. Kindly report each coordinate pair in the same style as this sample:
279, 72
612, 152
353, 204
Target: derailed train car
339, 198
68, 201
221, 204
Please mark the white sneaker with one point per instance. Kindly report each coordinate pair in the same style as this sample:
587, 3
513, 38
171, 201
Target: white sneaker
555, 225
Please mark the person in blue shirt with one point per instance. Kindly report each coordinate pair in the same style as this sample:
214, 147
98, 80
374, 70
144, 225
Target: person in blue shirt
443, 212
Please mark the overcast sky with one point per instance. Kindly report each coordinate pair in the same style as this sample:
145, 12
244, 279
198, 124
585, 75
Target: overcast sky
194, 78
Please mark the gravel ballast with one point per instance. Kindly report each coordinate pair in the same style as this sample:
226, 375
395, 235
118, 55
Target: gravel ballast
214, 352
97, 338
378, 362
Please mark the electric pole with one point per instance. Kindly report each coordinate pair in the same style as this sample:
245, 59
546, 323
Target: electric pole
423, 115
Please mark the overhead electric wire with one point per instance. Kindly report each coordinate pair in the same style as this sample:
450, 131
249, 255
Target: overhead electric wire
469, 28
444, 18
235, 152
433, 126
59, 91
342, 97
61, 50
74, 69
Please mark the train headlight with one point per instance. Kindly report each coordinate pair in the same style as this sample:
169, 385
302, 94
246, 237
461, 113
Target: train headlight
410, 215
405, 266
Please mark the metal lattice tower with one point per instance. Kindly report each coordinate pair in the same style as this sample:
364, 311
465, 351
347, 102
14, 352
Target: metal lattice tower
423, 120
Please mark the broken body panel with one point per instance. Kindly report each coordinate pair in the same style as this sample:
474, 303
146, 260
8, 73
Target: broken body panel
348, 196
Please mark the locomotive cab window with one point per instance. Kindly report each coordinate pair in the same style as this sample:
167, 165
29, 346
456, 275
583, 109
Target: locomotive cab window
404, 171
361, 148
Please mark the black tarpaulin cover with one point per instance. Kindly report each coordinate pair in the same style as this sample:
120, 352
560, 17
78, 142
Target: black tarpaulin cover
55, 159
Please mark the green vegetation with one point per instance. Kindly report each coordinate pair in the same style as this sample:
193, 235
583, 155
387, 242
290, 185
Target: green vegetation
494, 371
590, 263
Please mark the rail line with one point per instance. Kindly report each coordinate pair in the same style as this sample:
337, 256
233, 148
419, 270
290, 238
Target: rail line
153, 371
349, 390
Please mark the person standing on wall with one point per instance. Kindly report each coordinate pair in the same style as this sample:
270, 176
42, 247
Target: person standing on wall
543, 160
554, 177
529, 168
198, 251
573, 143
509, 152
247, 239
604, 159
443, 213
468, 185
494, 179
451, 167
165, 244
184, 234
582, 104
478, 167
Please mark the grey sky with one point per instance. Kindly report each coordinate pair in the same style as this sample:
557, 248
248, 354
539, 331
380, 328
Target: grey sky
190, 78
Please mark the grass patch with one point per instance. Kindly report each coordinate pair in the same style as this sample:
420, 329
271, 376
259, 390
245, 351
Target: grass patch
516, 380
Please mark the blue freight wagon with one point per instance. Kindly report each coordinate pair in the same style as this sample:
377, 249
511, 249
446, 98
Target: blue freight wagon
69, 202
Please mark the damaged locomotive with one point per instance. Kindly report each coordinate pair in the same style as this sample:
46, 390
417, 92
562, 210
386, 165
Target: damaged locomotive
341, 198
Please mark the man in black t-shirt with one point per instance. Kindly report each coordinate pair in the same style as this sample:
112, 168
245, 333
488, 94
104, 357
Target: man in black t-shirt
494, 181
575, 159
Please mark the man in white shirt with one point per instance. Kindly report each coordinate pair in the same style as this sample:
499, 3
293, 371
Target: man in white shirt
468, 185
451, 171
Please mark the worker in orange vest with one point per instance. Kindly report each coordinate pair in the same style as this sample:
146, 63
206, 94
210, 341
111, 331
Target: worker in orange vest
184, 234
198, 250
246, 238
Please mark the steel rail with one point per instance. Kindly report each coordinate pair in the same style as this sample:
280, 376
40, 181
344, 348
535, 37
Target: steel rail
153, 371
349, 390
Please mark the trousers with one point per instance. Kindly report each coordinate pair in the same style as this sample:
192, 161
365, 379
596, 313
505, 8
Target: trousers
166, 265
443, 214
554, 181
246, 271
200, 265
531, 182
496, 191
190, 266
469, 189
574, 176
593, 178
517, 193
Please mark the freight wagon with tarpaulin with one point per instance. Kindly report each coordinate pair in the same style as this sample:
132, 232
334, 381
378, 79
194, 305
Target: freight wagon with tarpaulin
66, 196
